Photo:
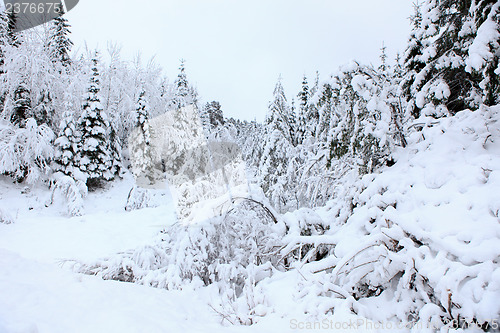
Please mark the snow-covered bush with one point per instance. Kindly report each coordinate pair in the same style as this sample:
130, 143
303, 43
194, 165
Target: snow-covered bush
228, 250
138, 198
73, 191
25, 153
5, 217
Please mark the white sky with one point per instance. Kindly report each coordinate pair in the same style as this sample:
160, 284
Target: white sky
235, 49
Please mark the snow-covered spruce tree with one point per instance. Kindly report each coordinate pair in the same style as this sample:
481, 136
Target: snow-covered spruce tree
459, 47
278, 151
4, 42
413, 61
95, 159
325, 111
212, 115
361, 135
59, 42
141, 153
280, 116
302, 111
184, 93
484, 52
67, 146
68, 179
22, 106
12, 35
312, 116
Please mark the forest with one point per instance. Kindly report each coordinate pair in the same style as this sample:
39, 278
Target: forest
371, 196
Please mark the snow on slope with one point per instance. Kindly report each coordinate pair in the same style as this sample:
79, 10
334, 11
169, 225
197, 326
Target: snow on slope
422, 241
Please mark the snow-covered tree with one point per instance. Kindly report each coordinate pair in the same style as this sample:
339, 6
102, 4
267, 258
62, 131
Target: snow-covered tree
212, 116
26, 153
59, 41
302, 111
184, 93
362, 118
454, 53
94, 157
141, 153
22, 105
280, 116
67, 146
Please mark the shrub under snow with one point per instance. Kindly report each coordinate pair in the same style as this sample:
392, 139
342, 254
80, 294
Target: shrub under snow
73, 191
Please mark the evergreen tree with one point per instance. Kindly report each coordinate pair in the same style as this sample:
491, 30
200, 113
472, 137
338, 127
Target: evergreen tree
184, 94
360, 134
4, 40
325, 111
312, 116
22, 106
383, 68
115, 148
280, 116
484, 52
67, 144
303, 110
94, 158
413, 62
141, 150
457, 43
212, 115
59, 42
12, 35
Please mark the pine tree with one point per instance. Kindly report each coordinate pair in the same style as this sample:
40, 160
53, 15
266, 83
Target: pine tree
67, 144
59, 42
453, 61
303, 110
212, 115
12, 34
383, 68
94, 158
413, 62
280, 116
22, 106
183, 94
484, 53
141, 150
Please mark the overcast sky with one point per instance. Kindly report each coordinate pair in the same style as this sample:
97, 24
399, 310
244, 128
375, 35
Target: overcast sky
235, 49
